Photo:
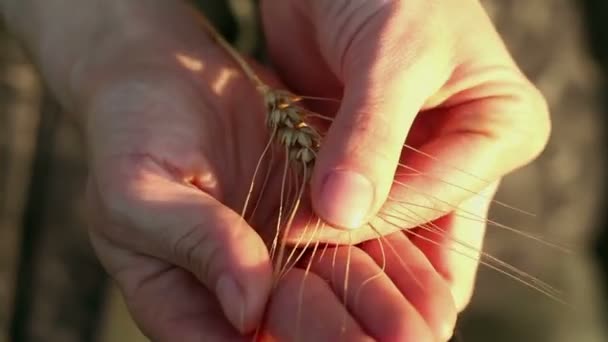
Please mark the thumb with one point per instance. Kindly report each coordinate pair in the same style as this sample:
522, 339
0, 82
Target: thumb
186, 227
389, 58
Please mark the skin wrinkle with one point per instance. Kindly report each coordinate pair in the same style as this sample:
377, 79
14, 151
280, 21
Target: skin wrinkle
341, 30
402, 47
141, 166
128, 288
361, 125
185, 247
131, 291
199, 161
197, 239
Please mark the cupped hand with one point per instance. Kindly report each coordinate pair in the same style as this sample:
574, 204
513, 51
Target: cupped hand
433, 75
175, 132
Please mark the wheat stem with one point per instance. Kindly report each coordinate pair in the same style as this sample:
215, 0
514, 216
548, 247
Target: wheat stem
235, 55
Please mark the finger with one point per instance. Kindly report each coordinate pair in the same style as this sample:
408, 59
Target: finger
386, 82
454, 244
468, 147
486, 108
486, 121
476, 142
417, 280
304, 308
178, 223
166, 302
295, 53
370, 295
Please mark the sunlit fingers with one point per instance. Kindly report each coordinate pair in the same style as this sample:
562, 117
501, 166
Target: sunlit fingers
453, 245
304, 308
370, 295
417, 280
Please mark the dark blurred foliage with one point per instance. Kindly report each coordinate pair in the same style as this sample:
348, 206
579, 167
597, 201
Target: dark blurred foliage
596, 19
220, 14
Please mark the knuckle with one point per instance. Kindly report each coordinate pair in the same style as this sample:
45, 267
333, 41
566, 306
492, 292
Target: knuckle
372, 136
365, 126
197, 251
541, 108
349, 21
527, 127
538, 121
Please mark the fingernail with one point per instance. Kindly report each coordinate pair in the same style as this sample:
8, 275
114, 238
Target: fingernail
346, 199
232, 301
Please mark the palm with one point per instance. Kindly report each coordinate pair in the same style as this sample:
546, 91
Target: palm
175, 136
151, 138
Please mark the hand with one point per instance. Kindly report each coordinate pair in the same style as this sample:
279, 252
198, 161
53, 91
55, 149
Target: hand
435, 72
171, 156
175, 132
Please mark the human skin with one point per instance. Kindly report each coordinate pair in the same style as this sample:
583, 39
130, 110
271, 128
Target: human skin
172, 152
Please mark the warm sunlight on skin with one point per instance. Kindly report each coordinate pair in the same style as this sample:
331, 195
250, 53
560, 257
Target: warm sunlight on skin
177, 134
223, 79
205, 181
189, 62
196, 65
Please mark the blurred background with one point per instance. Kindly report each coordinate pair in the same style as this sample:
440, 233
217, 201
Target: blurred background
53, 289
